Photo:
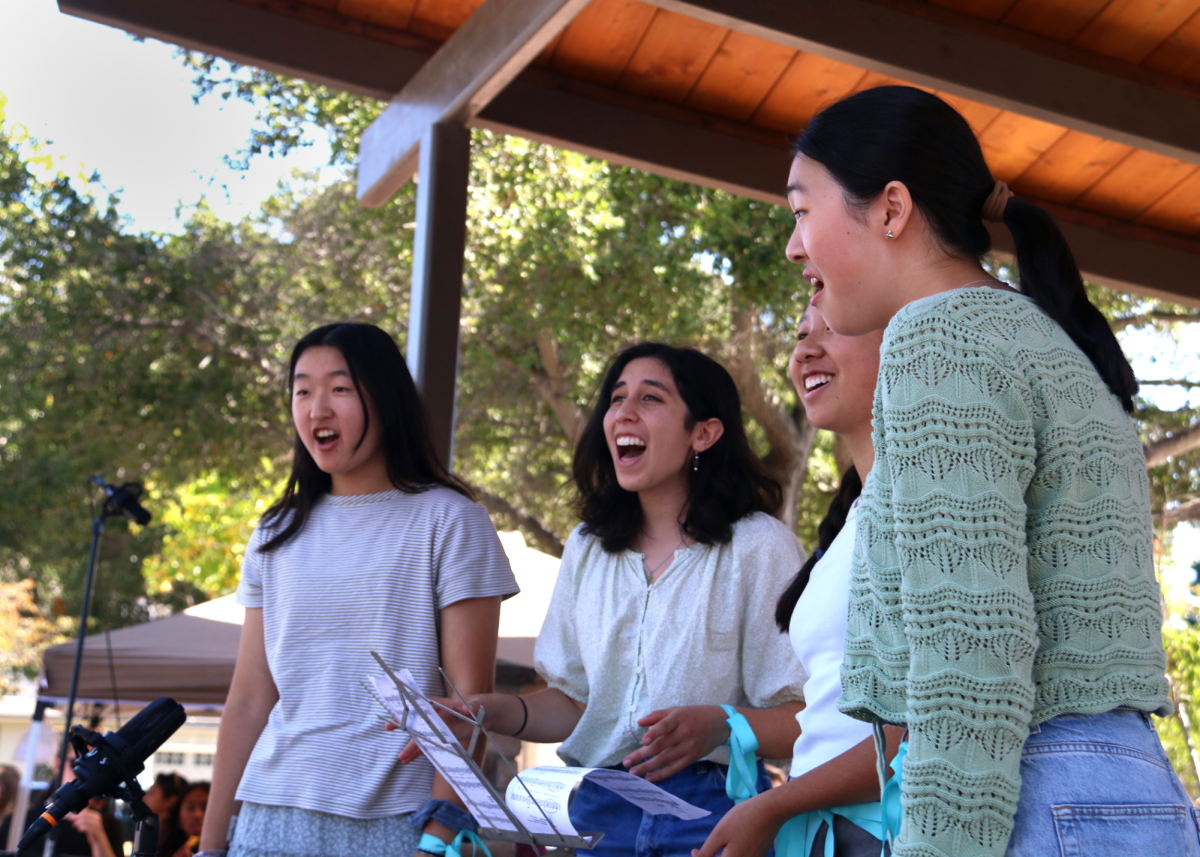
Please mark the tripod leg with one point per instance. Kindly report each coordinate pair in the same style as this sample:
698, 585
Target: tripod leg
145, 837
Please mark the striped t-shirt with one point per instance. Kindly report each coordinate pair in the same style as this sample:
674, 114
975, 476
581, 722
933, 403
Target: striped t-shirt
367, 572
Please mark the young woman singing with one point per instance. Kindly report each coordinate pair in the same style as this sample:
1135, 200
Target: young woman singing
659, 629
1003, 606
373, 547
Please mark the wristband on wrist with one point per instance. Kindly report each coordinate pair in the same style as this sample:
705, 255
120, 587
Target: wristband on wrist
434, 846
741, 783
211, 852
431, 844
525, 719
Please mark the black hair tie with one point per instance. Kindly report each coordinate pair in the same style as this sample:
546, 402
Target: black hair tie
524, 719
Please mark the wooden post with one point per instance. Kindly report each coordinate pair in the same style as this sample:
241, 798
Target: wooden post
436, 301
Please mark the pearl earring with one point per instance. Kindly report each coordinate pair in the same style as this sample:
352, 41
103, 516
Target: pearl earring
889, 234
696, 463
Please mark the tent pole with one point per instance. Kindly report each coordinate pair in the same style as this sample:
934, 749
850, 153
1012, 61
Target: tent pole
33, 737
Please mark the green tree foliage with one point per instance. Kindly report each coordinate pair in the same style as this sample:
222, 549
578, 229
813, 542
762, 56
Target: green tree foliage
163, 357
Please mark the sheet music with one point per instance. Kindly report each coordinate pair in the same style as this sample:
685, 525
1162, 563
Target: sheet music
539, 797
435, 744
649, 797
552, 787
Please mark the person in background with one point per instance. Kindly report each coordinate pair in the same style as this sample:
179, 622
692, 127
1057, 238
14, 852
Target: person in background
162, 798
658, 647
187, 822
104, 834
373, 547
10, 781
95, 832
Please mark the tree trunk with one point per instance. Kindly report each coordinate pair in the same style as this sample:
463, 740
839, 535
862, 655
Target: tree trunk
551, 383
789, 433
1161, 450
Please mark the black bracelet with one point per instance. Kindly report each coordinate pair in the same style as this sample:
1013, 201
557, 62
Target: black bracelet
525, 719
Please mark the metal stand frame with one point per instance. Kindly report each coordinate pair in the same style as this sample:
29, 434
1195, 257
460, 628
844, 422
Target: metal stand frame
556, 840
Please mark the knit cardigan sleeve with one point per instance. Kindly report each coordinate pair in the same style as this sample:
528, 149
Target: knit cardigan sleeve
957, 451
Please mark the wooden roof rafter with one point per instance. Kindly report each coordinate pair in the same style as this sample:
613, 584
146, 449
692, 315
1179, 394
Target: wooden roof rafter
662, 87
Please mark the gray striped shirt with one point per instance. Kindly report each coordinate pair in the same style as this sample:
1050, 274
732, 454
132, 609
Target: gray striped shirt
367, 572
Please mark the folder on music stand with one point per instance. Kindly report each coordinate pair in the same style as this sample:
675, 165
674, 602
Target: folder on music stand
413, 712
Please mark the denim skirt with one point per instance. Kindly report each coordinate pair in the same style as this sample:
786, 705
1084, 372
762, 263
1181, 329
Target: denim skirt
1100, 785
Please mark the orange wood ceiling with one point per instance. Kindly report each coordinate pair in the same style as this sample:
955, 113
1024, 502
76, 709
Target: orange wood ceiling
664, 56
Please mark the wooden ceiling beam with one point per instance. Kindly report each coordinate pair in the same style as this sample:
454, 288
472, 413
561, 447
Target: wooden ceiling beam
678, 143
1054, 85
309, 43
667, 140
482, 57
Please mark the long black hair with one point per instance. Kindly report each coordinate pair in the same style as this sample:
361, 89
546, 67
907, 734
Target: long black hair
175, 837
729, 484
898, 133
827, 531
380, 376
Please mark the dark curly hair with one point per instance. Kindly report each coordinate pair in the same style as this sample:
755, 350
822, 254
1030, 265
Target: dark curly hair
729, 484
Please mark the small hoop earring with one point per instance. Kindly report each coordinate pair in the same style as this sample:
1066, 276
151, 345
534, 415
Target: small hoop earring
889, 234
696, 463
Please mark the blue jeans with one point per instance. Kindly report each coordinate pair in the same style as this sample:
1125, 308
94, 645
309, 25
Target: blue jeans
628, 831
1100, 785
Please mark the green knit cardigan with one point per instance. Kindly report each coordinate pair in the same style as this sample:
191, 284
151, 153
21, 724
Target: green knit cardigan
1003, 564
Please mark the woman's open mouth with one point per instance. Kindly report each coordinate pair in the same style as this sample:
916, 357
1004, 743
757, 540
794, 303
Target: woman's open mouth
816, 381
325, 438
630, 448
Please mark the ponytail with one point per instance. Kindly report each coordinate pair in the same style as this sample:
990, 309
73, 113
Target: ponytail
827, 531
900, 133
1049, 276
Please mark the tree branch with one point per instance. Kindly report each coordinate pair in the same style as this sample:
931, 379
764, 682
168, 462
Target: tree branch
1161, 450
1169, 382
551, 384
529, 526
1189, 511
1118, 324
782, 432
790, 436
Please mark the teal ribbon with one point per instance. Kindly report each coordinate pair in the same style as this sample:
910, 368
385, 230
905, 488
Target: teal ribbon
880, 818
741, 783
890, 800
431, 844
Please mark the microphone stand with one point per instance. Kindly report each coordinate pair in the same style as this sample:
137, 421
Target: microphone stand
145, 831
97, 532
115, 504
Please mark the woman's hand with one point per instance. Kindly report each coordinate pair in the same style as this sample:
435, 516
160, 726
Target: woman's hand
677, 737
747, 830
91, 824
495, 706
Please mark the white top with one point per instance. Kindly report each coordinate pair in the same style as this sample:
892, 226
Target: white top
818, 634
702, 634
368, 572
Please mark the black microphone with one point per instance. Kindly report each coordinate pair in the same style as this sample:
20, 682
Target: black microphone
114, 760
124, 498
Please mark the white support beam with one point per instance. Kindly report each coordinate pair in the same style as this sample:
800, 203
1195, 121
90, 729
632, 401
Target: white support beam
491, 48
